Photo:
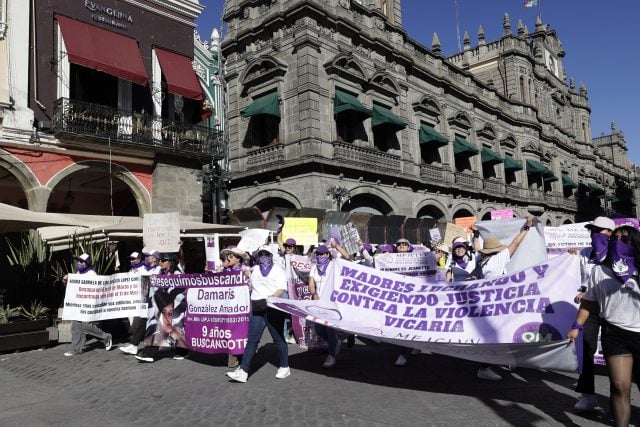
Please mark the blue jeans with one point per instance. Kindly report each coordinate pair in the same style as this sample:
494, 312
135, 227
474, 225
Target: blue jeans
329, 335
273, 320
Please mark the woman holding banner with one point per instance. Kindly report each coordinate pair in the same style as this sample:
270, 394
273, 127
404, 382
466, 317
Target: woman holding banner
267, 279
462, 264
613, 289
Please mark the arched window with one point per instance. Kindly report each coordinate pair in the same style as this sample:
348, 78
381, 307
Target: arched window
523, 91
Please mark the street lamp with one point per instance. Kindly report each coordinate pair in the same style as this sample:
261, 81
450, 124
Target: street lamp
216, 180
337, 194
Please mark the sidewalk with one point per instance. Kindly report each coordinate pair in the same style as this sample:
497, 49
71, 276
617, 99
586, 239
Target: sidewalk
99, 388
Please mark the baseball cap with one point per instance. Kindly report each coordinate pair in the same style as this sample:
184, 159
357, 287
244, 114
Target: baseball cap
86, 258
602, 222
322, 249
134, 255
290, 242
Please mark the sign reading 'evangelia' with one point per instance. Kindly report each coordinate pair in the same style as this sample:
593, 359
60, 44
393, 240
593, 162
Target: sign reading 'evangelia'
108, 15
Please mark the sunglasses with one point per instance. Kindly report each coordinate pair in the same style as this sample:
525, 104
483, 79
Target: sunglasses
289, 246
402, 244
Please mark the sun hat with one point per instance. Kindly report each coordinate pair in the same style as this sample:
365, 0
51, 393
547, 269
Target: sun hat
233, 250
492, 245
602, 222
86, 258
442, 247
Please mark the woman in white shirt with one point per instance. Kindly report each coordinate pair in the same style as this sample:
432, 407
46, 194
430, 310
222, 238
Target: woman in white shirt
267, 279
462, 264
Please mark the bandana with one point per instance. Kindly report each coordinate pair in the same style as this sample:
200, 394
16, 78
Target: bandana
137, 264
622, 260
599, 246
83, 268
461, 261
323, 263
265, 262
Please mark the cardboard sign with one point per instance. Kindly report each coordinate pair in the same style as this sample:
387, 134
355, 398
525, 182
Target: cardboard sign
162, 231
502, 214
303, 230
452, 231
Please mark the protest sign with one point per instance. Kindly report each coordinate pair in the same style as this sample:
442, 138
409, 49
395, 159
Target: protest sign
453, 231
434, 233
93, 298
212, 251
559, 239
466, 222
417, 263
298, 268
350, 238
303, 230
519, 319
502, 214
207, 313
252, 239
162, 231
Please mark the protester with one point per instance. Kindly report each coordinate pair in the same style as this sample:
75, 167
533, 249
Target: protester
463, 262
317, 281
494, 257
233, 260
614, 293
442, 256
150, 262
79, 330
135, 260
267, 279
159, 342
404, 246
286, 250
601, 229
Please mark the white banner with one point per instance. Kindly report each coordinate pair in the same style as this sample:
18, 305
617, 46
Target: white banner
519, 319
567, 236
416, 263
93, 298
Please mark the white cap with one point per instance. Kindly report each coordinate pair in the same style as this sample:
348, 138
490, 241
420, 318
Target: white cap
134, 255
264, 248
602, 222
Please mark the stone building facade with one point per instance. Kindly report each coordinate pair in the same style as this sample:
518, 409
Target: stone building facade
334, 93
104, 107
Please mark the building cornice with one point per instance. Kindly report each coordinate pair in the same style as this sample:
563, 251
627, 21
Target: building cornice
184, 7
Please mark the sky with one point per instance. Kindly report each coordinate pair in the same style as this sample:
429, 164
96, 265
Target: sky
600, 39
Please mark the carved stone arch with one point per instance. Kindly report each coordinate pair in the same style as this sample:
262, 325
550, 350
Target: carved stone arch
263, 69
509, 142
431, 203
429, 106
461, 121
375, 191
273, 193
25, 177
462, 206
567, 220
383, 83
348, 67
488, 132
140, 193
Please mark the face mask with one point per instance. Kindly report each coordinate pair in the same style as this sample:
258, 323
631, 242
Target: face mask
622, 261
265, 262
599, 246
136, 264
82, 268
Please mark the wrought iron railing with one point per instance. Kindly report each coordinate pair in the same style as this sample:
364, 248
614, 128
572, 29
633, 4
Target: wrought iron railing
99, 122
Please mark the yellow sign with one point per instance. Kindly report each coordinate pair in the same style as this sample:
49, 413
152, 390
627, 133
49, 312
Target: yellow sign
303, 230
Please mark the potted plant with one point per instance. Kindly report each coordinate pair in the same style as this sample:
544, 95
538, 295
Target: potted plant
24, 327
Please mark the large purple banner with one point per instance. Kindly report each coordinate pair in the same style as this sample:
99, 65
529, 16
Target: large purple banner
207, 313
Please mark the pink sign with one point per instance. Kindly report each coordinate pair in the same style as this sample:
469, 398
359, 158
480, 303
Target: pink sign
502, 214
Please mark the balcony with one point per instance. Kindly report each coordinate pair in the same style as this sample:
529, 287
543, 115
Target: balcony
431, 172
513, 191
493, 187
536, 196
364, 158
264, 156
94, 122
466, 180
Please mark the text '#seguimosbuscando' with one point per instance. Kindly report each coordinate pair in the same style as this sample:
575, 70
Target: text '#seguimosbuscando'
196, 280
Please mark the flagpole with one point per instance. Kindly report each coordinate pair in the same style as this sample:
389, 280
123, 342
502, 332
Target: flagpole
540, 9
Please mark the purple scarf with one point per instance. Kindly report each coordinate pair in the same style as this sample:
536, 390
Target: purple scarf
462, 262
266, 263
83, 270
322, 264
135, 265
622, 260
599, 246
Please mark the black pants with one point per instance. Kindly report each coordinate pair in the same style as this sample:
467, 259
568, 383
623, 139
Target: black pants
586, 382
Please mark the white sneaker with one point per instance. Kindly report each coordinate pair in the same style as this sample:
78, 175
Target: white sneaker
291, 340
238, 375
129, 349
401, 361
587, 402
488, 374
329, 362
69, 354
108, 342
283, 373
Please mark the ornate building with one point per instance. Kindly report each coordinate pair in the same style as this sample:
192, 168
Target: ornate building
335, 93
104, 107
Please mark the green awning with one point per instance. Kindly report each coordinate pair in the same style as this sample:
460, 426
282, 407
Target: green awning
534, 166
489, 156
595, 188
344, 101
383, 116
267, 104
462, 146
549, 176
429, 134
613, 198
567, 182
511, 164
